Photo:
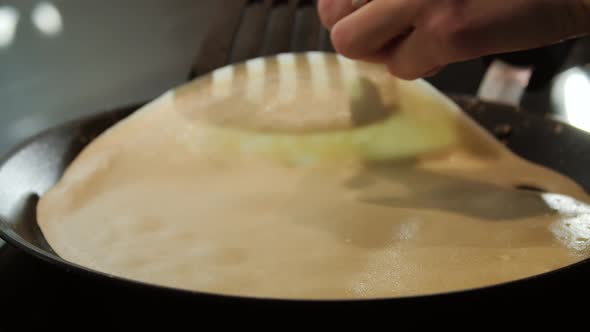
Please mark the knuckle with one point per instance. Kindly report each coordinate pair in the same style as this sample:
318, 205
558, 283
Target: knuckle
452, 32
453, 40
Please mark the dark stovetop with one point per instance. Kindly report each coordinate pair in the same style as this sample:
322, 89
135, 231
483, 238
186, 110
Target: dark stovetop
110, 53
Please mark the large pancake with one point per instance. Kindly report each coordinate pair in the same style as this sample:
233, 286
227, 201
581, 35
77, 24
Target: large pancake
310, 176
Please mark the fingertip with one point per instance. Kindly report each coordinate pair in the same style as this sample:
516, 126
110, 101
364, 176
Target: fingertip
412, 75
409, 61
343, 40
432, 72
401, 73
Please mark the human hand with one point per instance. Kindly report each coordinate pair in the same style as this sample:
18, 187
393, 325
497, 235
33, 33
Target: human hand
416, 38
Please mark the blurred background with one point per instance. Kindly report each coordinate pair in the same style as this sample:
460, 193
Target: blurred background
63, 59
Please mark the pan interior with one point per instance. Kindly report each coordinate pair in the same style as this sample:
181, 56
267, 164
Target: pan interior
376, 185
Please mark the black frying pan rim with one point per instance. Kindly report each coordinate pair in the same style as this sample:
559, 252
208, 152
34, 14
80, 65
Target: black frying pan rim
15, 240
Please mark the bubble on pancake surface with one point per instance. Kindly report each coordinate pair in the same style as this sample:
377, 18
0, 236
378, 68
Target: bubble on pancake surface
573, 226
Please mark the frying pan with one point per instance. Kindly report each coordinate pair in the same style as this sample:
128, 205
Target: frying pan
34, 166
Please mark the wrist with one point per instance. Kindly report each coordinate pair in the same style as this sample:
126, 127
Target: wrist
584, 16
